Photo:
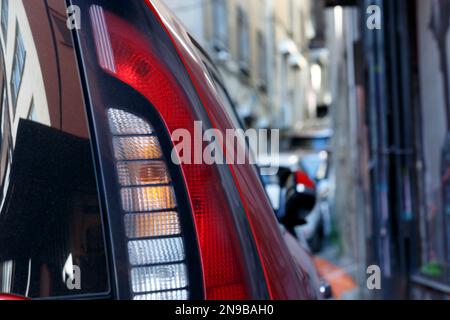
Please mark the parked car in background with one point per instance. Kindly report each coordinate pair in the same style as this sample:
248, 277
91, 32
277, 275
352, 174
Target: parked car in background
317, 225
92, 204
313, 145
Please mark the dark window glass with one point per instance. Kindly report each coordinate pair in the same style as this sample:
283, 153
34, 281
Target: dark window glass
262, 60
244, 40
220, 24
310, 143
4, 17
18, 65
51, 233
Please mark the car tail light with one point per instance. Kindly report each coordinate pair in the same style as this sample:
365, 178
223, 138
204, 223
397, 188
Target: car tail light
141, 56
152, 226
303, 181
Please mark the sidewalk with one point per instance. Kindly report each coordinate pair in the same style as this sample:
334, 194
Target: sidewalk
336, 271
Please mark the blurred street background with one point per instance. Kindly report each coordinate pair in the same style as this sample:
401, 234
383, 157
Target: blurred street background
365, 110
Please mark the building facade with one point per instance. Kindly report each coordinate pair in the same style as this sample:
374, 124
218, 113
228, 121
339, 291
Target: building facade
262, 48
392, 142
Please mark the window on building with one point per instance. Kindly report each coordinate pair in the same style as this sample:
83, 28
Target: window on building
18, 65
5, 134
10, 150
4, 17
4, 109
244, 41
6, 271
262, 61
302, 27
220, 25
32, 115
3, 140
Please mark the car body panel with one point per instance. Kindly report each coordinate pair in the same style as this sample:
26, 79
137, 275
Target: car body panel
276, 253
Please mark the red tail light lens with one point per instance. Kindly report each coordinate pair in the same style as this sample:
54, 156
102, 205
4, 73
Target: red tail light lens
126, 54
301, 178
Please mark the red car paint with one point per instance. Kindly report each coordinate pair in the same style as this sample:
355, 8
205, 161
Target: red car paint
287, 265
10, 297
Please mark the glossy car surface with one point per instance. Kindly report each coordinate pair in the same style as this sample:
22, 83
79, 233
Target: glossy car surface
63, 198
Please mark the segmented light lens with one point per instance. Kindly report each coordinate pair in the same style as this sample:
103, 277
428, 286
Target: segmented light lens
136, 148
125, 123
147, 198
155, 246
135, 173
154, 224
164, 295
156, 278
143, 252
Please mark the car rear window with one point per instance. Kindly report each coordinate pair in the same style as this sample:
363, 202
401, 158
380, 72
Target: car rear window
51, 233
